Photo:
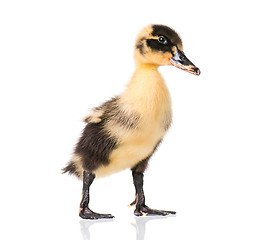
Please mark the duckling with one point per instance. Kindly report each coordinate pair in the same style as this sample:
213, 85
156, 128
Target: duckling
125, 131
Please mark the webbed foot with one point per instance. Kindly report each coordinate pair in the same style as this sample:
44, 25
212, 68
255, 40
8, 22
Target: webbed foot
86, 213
146, 211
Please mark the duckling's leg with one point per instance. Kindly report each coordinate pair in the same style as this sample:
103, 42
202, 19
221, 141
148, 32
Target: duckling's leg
84, 210
140, 207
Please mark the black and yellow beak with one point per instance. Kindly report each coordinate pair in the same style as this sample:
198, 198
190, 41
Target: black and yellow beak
179, 60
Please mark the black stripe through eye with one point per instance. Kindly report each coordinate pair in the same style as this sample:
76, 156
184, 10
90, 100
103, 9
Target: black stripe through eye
154, 44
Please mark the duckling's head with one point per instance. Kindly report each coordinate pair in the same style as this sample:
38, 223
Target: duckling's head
160, 45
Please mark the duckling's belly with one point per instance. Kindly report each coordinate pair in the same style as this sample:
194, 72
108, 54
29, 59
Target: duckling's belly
135, 147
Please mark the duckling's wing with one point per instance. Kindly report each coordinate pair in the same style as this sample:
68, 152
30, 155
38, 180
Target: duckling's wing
104, 111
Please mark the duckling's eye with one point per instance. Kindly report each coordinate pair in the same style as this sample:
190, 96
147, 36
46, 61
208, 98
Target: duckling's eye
162, 40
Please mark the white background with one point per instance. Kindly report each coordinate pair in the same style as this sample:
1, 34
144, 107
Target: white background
58, 59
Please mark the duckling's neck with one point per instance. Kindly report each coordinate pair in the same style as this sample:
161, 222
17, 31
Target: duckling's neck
147, 90
142, 66
145, 80
145, 76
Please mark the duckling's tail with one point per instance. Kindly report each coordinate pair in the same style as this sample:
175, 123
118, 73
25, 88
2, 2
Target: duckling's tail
74, 167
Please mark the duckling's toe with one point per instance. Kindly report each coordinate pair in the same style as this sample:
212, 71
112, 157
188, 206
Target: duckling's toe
86, 213
133, 203
146, 211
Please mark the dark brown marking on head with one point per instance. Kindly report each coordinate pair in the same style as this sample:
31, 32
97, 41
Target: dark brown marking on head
140, 45
169, 33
